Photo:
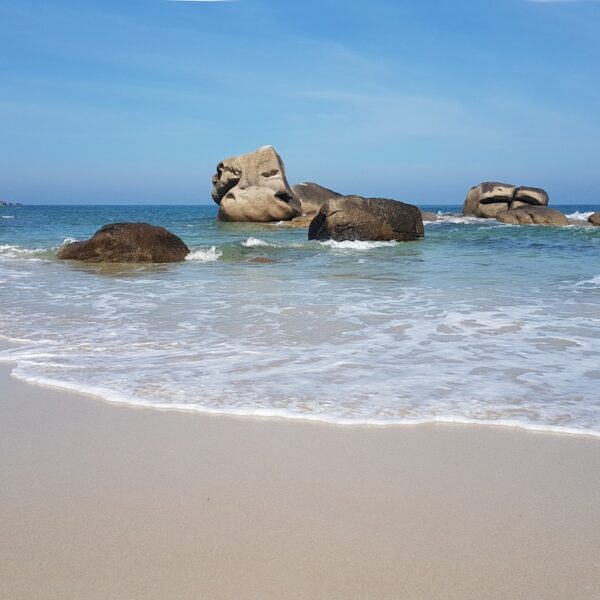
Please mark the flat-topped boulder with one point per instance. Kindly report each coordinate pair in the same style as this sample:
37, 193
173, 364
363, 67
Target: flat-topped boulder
488, 199
127, 243
533, 215
350, 218
312, 196
594, 219
253, 188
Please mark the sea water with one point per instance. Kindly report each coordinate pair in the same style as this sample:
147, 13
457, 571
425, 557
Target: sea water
480, 322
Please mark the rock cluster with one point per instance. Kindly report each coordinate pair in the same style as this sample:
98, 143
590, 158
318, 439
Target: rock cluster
127, 243
488, 199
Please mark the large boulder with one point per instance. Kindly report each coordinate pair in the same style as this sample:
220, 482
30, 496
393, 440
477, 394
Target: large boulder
127, 243
532, 215
253, 188
355, 218
529, 195
488, 199
594, 219
312, 196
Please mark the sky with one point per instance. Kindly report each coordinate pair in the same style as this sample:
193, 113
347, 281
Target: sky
136, 101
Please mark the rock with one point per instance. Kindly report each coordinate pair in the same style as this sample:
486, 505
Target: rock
427, 215
532, 215
262, 260
312, 196
487, 199
529, 195
127, 243
594, 219
295, 223
253, 188
356, 218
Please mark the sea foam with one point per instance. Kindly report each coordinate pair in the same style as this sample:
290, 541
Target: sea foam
208, 255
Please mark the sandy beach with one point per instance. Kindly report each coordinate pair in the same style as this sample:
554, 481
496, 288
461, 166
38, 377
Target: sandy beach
101, 501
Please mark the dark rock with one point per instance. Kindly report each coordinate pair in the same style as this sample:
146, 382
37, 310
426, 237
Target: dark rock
594, 219
263, 260
356, 218
312, 196
253, 188
127, 243
532, 215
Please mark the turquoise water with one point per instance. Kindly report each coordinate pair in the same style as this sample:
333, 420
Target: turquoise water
479, 322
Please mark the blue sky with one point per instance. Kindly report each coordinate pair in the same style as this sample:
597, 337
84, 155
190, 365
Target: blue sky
136, 101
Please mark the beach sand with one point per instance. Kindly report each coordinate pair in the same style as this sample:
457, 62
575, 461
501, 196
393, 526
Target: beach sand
99, 501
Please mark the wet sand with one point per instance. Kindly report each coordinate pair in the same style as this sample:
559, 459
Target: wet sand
99, 501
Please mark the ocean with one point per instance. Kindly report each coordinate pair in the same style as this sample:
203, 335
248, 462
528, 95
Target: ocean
478, 323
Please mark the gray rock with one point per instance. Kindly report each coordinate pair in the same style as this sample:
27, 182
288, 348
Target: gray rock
355, 218
594, 219
533, 215
488, 199
312, 196
127, 243
427, 215
253, 188
529, 195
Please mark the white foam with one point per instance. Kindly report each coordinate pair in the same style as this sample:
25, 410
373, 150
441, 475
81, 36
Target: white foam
580, 216
11, 251
8, 216
357, 245
594, 282
253, 242
69, 240
209, 255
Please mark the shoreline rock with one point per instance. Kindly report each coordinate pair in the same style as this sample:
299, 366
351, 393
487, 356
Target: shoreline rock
594, 219
488, 199
127, 243
533, 215
351, 218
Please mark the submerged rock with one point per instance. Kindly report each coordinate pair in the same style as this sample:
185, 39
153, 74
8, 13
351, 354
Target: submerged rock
488, 199
312, 196
532, 215
127, 243
253, 188
427, 215
355, 218
594, 219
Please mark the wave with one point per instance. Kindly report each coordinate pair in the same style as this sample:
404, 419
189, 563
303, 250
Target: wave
594, 282
281, 413
8, 216
357, 245
253, 242
579, 215
209, 255
10, 251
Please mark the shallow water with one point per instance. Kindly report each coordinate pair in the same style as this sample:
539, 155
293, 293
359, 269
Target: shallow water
478, 322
